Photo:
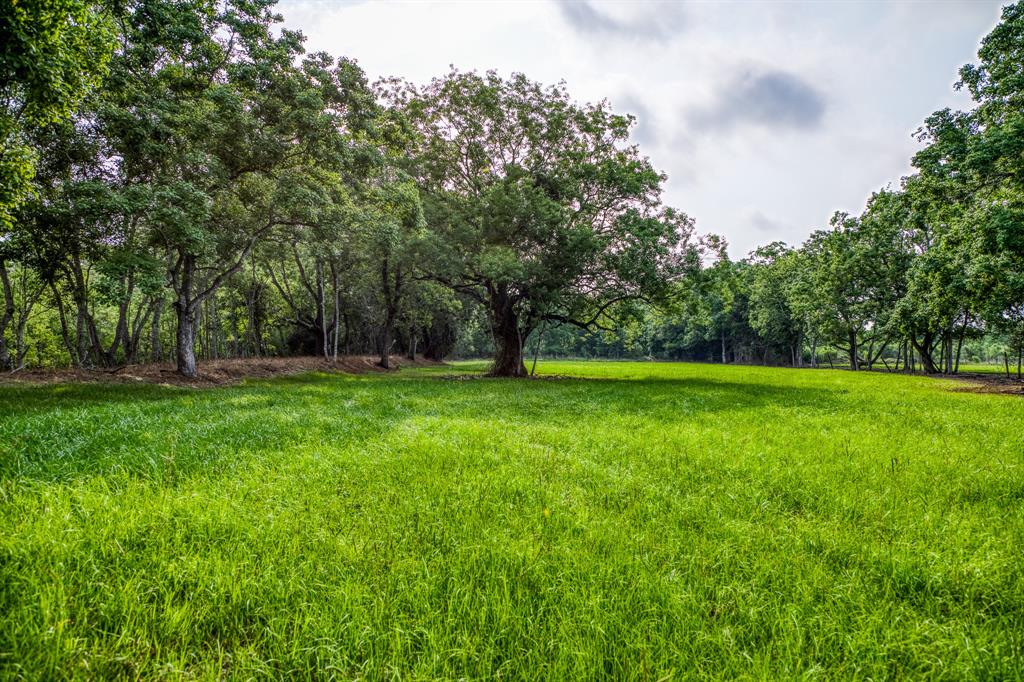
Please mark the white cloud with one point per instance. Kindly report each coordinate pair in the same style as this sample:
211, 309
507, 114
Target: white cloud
875, 69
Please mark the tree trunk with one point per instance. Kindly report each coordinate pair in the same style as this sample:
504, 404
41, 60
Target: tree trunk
391, 288
508, 355
156, 351
121, 331
21, 349
321, 305
135, 332
88, 334
853, 351
65, 334
949, 352
6, 315
213, 323
724, 360
187, 311
387, 335
412, 342
536, 351
337, 309
960, 342
508, 337
186, 338
924, 350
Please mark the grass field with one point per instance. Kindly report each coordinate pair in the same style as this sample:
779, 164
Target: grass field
988, 368
627, 520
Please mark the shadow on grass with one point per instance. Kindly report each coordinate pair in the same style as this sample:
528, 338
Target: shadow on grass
73, 431
657, 398
68, 432
23, 399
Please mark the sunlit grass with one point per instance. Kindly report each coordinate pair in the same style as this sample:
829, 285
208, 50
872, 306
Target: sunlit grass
633, 521
989, 368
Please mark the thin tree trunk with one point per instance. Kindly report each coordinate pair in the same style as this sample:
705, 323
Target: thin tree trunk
134, 339
28, 303
156, 351
337, 308
64, 331
960, 342
121, 331
391, 298
6, 315
214, 323
942, 352
386, 341
947, 351
536, 350
322, 307
89, 337
412, 341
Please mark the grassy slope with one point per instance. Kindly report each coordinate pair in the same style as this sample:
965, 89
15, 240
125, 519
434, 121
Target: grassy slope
649, 520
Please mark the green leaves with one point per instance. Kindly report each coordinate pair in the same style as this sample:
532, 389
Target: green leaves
543, 208
52, 53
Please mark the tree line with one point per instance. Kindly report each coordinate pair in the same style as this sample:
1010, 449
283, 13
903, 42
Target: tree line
180, 180
928, 266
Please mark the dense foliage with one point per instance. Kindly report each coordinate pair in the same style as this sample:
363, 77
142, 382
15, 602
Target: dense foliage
928, 269
225, 194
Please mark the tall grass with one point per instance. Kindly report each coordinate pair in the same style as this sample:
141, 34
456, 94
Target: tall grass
628, 521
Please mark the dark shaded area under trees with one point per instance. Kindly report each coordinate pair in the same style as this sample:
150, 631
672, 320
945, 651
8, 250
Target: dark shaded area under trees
186, 183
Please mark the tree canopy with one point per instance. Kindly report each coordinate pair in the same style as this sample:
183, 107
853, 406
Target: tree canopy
180, 180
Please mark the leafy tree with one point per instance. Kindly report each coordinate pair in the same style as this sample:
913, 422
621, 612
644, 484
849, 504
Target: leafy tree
994, 165
234, 140
541, 209
392, 228
52, 52
771, 312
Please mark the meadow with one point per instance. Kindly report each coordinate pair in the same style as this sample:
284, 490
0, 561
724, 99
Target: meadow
605, 520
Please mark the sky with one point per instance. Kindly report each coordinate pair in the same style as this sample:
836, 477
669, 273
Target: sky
767, 117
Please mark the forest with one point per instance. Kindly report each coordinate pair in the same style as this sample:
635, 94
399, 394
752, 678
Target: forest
181, 181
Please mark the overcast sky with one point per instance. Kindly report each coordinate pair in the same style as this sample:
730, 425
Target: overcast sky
766, 116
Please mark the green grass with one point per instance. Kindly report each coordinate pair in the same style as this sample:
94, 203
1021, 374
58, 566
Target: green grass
989, 368
633, 521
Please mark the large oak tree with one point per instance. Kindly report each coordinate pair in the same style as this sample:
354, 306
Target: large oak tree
541, 208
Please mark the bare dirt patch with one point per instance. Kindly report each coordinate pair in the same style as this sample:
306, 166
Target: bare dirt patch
988, 383
211, 372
